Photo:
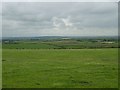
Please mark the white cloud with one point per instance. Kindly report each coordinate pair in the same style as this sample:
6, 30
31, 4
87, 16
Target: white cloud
67, 21
56, 22
61, 23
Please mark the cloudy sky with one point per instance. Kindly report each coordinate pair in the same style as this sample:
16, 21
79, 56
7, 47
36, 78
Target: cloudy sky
59, 19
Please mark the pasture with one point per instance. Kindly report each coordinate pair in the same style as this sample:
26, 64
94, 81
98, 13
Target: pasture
60, 68
60, 43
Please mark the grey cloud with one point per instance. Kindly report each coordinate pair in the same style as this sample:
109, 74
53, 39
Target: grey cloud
59, 19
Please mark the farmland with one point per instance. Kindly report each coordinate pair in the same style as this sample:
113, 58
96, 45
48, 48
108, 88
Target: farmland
59, 64
60, 43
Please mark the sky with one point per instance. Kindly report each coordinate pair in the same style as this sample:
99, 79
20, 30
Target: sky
60, 0
25, 19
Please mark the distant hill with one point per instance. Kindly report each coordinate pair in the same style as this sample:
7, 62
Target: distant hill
59, 37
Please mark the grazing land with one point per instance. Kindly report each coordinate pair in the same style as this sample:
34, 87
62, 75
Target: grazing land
60, 63
60, 43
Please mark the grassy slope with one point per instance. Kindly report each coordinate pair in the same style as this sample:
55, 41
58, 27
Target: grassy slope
0, 67
27, 46
82, 68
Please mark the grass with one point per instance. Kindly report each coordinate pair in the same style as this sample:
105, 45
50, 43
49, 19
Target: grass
28, 46
63, 68
0, 66
59, 44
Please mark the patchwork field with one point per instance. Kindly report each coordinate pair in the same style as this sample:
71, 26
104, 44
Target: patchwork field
63, 68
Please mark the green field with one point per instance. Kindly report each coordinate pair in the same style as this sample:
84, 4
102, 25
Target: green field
60, 43
60, 68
